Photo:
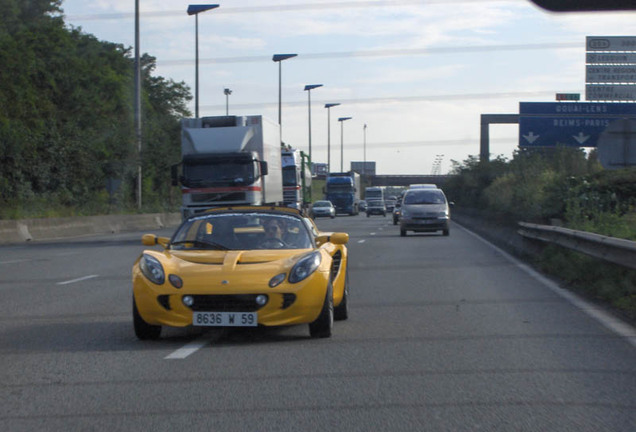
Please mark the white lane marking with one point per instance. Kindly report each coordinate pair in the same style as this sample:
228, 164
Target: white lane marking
186, 350
361, 241
77, 280
15, 261
372, 233
617, 326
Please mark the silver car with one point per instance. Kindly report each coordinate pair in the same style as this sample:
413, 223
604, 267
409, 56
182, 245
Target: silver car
424, 210
323, 208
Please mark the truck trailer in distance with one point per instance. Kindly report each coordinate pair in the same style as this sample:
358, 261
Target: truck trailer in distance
343, 190
229, 160
296, 178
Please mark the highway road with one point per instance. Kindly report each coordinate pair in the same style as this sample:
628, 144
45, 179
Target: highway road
444, 334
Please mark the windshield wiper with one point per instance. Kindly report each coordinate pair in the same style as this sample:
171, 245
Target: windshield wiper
201, 244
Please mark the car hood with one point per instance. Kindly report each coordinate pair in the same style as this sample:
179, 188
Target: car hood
237, 271
234, 257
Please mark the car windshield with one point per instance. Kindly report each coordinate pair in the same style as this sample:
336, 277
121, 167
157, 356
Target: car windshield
425, 197
322, 204
374, 203
242, 231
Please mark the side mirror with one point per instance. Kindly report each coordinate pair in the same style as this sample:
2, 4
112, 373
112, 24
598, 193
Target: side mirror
149, 240
152, 240
335, 238
339, 238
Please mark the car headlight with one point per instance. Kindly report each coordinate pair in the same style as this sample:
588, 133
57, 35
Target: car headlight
152, 269
305, 267
442, 215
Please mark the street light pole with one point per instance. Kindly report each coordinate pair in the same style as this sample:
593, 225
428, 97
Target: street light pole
279, 58
364, 147
308, 89
138, 103
227, 92
328, 106
196, 10
342, 120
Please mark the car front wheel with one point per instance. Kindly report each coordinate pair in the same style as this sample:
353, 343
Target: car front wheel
143, 330
321, 328
341, 312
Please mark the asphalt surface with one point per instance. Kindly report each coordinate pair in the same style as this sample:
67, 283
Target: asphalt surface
444, 334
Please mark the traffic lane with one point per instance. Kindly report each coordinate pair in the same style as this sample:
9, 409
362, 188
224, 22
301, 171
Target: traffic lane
388, 400
66, 277
453, 292
360, 358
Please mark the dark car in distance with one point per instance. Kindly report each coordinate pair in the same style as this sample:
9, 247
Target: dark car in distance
376, 207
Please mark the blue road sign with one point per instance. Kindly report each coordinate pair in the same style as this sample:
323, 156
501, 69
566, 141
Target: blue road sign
568, 131
548, 124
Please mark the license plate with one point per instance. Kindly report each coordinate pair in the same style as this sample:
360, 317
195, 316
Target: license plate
225, 319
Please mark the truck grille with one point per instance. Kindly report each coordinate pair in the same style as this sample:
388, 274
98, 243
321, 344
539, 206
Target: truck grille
218, 196
289, 196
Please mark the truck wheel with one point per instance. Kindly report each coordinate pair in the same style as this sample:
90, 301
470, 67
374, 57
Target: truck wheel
321, 328
402, 233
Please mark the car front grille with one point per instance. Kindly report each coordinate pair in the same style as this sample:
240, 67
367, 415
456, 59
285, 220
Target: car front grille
225, 303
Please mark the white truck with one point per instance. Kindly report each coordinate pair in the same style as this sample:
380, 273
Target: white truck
229, 161
296, 178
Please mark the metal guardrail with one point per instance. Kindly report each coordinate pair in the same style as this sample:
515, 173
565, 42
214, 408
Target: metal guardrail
615, 250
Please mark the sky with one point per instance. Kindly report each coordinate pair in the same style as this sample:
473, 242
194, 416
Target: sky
418, 73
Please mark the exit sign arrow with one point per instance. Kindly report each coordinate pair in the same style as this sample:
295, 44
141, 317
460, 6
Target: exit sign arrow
531, 137
581, 138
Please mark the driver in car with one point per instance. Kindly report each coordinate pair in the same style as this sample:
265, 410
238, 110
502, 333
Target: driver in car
274, 231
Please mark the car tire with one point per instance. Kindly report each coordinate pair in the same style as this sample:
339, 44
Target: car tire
368, 215
341, 312
143, 330
446, 232
402, 233
332, 217
322, 327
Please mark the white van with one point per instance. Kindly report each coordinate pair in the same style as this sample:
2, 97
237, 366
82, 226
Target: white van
423, 186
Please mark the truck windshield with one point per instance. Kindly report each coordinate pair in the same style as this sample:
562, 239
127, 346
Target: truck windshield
219, 173
289, 176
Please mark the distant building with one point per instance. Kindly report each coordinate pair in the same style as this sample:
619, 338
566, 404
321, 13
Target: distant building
364, 168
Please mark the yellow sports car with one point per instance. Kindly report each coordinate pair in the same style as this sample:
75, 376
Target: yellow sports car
242, 267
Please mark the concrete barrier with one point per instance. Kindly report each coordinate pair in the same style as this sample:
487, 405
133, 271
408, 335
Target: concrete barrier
18, 231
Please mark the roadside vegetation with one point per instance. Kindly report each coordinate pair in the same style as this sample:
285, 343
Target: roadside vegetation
563, 186
67, 130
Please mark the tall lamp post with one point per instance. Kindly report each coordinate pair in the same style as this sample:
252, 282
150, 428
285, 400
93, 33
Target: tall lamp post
364, 149
138, 103
308, 89
196, 10
279, 58
329, 106
227, 92
342, 120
